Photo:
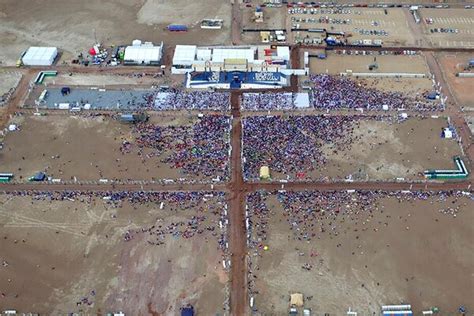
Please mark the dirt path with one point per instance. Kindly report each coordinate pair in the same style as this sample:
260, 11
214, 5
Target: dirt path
236, 22
238, 297
19, 96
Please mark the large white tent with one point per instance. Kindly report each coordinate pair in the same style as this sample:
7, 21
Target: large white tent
40, 56
145, 54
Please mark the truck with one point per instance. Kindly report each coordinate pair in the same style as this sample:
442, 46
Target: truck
134, 117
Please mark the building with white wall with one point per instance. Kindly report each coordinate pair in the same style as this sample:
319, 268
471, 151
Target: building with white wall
40, 56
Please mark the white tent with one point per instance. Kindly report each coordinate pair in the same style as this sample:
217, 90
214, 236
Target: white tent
40, 56
184, 55
142, 54
302, 100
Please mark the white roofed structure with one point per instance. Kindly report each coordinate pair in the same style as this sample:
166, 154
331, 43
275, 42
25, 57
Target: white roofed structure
40, 56
143, 53
221, 54
184, 55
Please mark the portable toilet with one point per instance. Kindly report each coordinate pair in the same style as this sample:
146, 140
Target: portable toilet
264, 173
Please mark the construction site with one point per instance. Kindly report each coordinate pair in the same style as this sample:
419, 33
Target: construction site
220, 170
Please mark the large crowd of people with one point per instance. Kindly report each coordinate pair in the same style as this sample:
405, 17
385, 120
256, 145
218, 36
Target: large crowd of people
338, 92
195, 100
204, 216
200, 150
291, 145
311, 214
268, 101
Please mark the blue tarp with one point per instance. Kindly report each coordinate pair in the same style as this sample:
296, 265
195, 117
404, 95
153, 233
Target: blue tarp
187, 311
177, 28
40, 176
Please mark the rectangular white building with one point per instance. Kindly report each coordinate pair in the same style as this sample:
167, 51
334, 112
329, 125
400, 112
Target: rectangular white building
143, 54
40, 56
189, 58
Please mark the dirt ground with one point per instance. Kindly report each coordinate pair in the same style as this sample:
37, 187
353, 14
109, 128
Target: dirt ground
460, 19
335, 63
369, 259
8, 81
384, 151
461, 87
87, 148
56, 253
115, 22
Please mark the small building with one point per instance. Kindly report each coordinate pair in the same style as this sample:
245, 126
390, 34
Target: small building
296, 299
143, 53
40, 56
264, 173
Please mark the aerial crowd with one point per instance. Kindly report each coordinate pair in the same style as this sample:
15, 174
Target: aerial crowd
338, 92
200, 149
313, 215
293, 146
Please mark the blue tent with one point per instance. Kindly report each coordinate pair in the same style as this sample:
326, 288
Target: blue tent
40, 176
187, 311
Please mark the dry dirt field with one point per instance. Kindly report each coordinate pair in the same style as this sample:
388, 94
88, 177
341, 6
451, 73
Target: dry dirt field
461, 87
352, 250
460, 19
8, 80
363, 19
70, 256
27, 23
379, 150
89, 148
273, 18
337, 63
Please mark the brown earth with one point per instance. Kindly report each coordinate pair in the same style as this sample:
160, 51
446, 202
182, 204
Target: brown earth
58, 252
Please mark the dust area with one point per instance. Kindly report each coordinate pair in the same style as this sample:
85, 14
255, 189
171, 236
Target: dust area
335, 64
8, 81
407, 86
385, 151
27, 23
470, 123
84, 147
182, 11
273, 18
58, 252
387, 257
461, 87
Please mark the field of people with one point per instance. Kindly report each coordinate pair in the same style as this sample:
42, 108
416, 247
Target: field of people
98, 253
342, 147
359, 250
168, 146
